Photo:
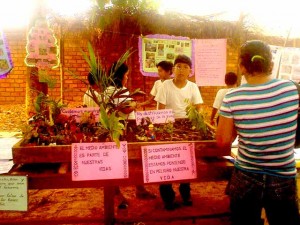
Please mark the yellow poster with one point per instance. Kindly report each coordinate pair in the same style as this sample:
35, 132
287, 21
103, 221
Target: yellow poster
156, 49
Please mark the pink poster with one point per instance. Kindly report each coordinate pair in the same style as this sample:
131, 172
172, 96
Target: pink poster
42, 49
99, 161
169, 162
210, 61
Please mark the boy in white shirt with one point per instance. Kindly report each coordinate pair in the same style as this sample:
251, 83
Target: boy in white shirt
164, 71
231, 82
173, 95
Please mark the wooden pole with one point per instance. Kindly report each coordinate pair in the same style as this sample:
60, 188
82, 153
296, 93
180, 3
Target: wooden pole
33, 86
109, 213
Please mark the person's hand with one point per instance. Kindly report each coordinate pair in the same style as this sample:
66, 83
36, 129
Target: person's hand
139, 106
129, 107
213, 123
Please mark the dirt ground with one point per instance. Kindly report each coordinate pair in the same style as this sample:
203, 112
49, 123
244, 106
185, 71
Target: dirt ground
86, 205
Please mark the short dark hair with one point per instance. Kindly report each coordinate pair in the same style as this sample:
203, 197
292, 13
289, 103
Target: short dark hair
166, 65
183, 59
118, 73
230, 78
90, 78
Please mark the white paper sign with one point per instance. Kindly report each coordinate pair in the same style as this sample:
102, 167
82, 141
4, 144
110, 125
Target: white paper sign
77, 112
99, 161
169, 162
155, 116
210, 62
5, 166
13, 193
6, 145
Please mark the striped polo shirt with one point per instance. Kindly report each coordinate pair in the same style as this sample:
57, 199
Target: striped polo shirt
265, 117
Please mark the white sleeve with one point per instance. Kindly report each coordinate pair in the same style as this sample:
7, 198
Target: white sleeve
154, 90
219, 98
197, 98
161, 94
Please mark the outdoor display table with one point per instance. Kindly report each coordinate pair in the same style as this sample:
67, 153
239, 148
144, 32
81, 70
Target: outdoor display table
50, 167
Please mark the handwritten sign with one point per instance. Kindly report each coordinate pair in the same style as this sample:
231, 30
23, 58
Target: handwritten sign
155, 116
99, 161
210, 63
169, 162
13, 193
77, 112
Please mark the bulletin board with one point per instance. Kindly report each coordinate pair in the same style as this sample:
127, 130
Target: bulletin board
156, 48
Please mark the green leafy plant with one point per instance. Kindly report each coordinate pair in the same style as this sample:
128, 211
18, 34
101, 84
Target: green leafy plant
112, 123
112, 117
196, 118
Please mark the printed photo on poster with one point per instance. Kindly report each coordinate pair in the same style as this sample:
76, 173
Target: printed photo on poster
156, 48
289, 68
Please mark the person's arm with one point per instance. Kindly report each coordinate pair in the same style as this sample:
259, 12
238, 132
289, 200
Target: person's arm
161, 106
225, 134
147, 102
212, 117
129, 106
198, 107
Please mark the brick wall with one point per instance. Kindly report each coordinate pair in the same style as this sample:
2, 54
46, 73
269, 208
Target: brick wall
13, 88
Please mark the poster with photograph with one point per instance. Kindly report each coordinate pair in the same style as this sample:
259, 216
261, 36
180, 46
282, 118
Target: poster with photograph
289, 68
276, 57
6, 64
156, 48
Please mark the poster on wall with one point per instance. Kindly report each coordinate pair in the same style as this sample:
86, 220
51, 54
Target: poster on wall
42, 49
210, 63
289, 68
156, 48
6, 64
276, 58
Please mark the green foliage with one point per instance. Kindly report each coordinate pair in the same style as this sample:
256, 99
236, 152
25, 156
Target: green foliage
113, 124
110, 117
168, 127
196, 118
43, 101
102, 79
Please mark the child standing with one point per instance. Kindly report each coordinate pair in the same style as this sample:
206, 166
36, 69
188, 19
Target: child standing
173, 95
164, 70
231, 82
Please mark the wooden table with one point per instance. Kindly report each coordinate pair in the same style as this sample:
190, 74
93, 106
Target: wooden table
50, 167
